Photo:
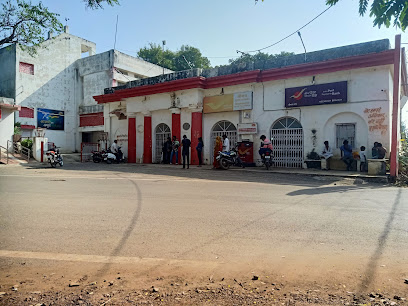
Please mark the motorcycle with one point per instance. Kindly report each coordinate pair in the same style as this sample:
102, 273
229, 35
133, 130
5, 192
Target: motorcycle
228, 159
107, 156
54, 157
267, 158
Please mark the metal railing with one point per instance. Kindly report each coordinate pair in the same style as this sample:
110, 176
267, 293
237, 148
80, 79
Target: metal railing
90, 109
7, 153
16, 148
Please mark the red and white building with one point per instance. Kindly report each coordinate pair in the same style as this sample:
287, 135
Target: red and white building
351, 92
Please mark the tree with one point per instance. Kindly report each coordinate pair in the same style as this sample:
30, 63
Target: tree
260, 56
385, 12
95, 4
186, 57
26, 24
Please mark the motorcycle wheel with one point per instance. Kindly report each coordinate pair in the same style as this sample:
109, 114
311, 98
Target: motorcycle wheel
61, 163
267, 165
53, 164
224, 164
108, 161
96, 160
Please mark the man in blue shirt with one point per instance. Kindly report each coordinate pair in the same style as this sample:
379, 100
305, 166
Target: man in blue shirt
347, 154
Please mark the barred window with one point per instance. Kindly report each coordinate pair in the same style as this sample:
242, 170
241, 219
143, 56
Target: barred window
345, 131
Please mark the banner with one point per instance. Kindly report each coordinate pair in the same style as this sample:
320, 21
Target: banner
330, 93
50, 119
228, 103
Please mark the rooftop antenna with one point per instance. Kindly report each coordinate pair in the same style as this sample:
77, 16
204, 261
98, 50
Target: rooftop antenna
302, 44
188, 63
66, 21
116, 32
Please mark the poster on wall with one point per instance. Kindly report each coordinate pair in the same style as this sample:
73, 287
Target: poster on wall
330, 93
50, 119
228, 103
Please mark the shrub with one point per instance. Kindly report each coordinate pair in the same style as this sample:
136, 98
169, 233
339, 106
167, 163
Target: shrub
27, 143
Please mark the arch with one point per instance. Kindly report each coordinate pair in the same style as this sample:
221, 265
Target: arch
287, 141
220, 128
162, 131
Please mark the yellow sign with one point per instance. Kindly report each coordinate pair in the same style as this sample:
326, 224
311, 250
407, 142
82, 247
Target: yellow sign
218, 104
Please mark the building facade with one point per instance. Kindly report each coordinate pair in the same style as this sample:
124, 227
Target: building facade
54, 88
299, 102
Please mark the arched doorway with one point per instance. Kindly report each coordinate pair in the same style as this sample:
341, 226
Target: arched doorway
162, 132
221, 128
287, 141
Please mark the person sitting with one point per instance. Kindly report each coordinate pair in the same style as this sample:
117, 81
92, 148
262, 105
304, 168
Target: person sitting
374, 151
363, 159
327, 154
381, 151
266, 145
347, 154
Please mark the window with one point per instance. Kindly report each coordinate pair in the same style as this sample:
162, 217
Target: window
26, 112
345, 131
26, 68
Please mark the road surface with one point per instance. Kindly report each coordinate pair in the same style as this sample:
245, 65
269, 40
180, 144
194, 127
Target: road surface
154, 225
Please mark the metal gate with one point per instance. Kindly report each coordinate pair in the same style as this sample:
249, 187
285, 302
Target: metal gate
86, 150
287, 142
162, 132
221, 128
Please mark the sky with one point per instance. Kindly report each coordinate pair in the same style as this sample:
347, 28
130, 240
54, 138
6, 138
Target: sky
220, 27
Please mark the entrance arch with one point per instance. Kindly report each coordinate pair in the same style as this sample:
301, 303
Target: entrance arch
162, 132
287, 141
221, 128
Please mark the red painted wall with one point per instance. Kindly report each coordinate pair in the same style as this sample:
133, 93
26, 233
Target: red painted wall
93, 119
132, 140
147, 144
176, 130
26, 112
196, 131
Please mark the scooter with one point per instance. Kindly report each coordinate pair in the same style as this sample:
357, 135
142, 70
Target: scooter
267, 158
228, 159
54, 157
107, 156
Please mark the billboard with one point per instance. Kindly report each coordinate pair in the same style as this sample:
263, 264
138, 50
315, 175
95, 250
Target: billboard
50, 119
330, 93
228, 102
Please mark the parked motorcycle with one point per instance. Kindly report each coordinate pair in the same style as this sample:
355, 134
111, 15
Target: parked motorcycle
267, 158
107, 156
228, 159
54, 157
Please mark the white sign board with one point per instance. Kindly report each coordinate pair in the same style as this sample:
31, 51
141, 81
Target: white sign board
247, 128
242, 100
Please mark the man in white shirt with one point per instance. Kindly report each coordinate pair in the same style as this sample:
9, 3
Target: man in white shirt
114, 148
225, 143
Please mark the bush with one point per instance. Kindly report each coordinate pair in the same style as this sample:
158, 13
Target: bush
27, 143
313, 155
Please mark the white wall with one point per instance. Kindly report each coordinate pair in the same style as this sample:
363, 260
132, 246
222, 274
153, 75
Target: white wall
6, 126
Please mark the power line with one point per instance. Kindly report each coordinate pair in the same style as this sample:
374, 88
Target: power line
295, 32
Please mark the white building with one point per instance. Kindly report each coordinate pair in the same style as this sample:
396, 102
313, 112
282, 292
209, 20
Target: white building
335, 94
55, 87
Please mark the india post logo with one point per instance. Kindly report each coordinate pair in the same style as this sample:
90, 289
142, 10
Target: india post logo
299, 94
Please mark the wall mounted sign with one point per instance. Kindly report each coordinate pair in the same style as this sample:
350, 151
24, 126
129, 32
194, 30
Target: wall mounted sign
247, 128
330, 93
50, 119
228, 103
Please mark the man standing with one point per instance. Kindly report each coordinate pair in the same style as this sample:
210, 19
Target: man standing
225, 144
347, 154
174, 151
186, 143
114, 149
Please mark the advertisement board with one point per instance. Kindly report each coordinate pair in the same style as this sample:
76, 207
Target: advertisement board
330, 93
50, 119
228, 103
247, 128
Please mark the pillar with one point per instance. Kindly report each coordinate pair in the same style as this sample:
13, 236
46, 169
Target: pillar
176, 128
395, 109
132, 140
147, 142
196, 132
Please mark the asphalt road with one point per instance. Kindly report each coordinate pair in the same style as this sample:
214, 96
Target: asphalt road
294, 225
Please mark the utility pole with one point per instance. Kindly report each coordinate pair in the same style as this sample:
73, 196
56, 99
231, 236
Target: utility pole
164, 43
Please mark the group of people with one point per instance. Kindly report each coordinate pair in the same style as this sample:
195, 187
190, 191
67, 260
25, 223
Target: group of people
171, 148
348, 156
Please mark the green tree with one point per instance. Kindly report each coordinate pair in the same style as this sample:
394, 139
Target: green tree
26, 24
95, 4
185, 58
384, 12
260, 56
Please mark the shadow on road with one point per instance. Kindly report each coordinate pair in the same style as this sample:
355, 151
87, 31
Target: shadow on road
127, 232
382, 240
